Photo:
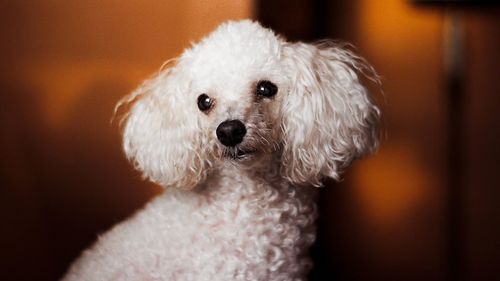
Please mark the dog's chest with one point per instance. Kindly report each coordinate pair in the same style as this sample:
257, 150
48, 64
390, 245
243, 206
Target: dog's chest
246, 234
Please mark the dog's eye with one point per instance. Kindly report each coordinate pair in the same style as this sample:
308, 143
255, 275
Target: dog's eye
204, 102
266, 89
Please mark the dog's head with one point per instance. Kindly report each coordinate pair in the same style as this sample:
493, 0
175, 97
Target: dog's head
243, 92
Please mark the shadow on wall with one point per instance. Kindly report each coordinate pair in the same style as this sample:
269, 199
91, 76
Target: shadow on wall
61, 186
21, 205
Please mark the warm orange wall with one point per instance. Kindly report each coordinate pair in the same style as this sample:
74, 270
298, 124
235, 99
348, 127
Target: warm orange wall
396, 197
62, 47
391, 221
405, 44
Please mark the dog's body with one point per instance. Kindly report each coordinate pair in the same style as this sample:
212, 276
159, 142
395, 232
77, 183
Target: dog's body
240, 130
238, 226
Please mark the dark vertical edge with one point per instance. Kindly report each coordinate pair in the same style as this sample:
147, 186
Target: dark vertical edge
321, 19
453, 54
455, 178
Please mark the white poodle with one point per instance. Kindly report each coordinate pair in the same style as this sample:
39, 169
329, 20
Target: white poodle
239, 130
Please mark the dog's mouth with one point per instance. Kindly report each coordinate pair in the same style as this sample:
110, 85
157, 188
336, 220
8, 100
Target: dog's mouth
239, 153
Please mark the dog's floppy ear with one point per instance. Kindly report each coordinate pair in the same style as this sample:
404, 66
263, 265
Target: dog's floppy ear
328, 118
161, 136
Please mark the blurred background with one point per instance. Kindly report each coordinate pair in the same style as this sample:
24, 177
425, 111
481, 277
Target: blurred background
424, 208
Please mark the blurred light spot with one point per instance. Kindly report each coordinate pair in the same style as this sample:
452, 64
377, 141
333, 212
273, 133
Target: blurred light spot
392, 185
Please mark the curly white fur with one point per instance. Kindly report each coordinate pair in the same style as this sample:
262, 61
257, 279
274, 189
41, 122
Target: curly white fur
245, 212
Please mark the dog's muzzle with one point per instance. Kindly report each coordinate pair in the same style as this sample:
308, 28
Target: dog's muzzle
231, 132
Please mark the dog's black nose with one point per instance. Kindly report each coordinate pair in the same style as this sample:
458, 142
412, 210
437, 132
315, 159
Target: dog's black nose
231, 132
